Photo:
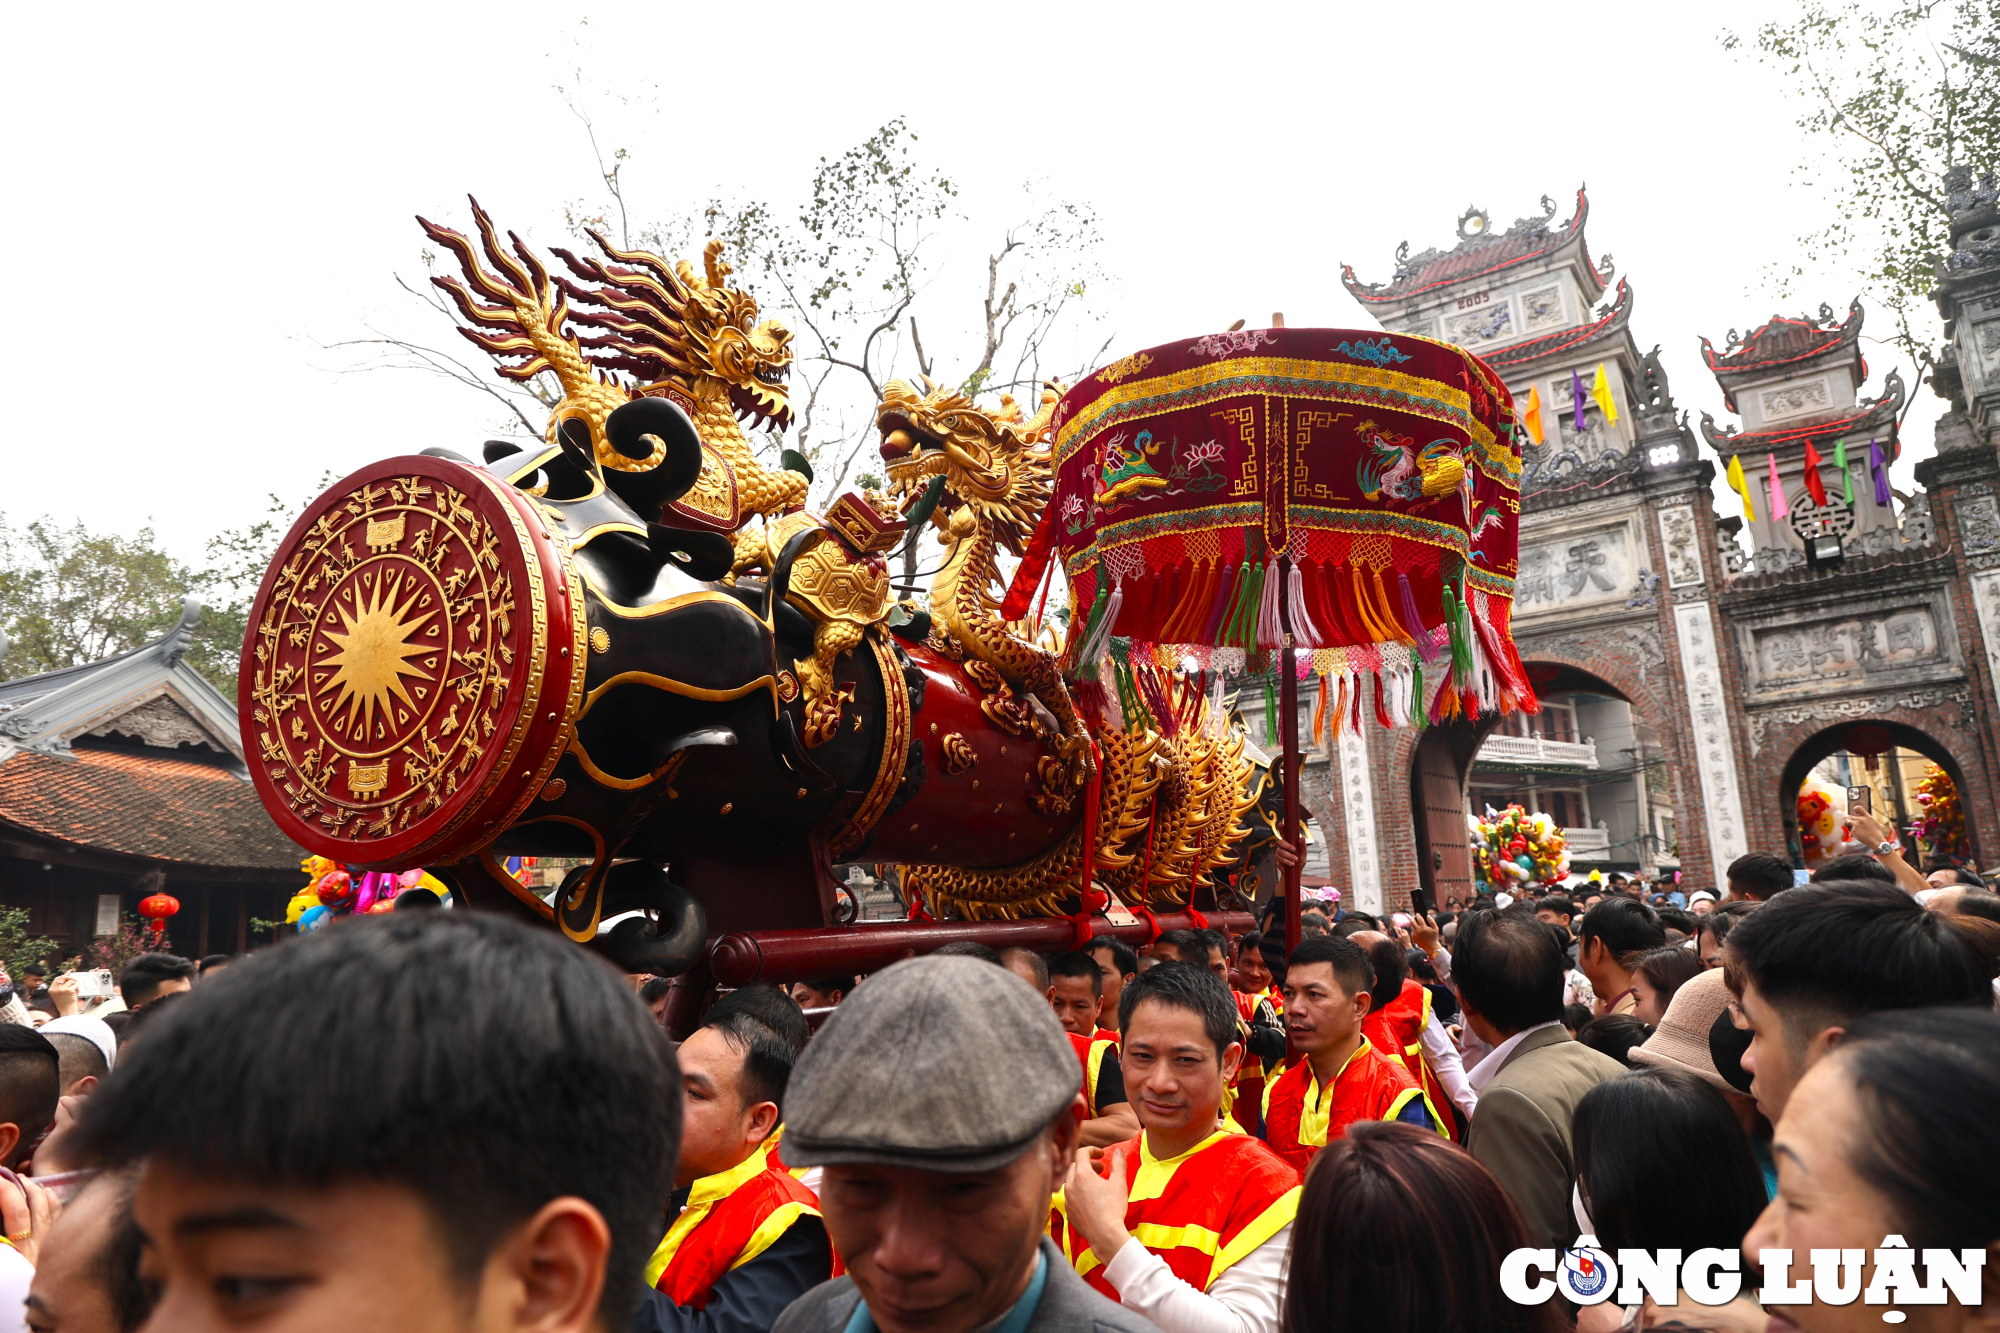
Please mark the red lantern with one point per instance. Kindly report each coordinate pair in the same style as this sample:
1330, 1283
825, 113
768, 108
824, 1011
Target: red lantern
156, 908
1868, 740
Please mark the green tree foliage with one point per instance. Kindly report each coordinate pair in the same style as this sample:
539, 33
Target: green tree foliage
19, 947
69, 595
1894, 96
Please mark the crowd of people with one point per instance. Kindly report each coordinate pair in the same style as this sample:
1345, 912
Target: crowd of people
448, 1120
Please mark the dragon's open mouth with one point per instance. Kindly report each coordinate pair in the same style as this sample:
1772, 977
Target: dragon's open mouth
910, 455
773, 375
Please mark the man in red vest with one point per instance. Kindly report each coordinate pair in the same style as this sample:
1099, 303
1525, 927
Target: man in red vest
1342, 1078
746, 1239
1401, 1026
1076, 994
1117, 964
1189, 1224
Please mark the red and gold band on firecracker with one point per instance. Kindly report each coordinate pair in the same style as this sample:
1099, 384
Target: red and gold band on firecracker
1386, 467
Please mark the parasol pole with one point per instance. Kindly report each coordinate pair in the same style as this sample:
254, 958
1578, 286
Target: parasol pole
1289, 761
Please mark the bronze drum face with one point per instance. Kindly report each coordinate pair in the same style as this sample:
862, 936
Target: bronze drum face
414, 665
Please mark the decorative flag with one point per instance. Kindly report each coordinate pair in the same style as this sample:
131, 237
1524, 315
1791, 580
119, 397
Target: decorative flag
1576, 397
1815, 487
1881, 472
1738, 484
1846, 477
1600, 393
1779, 509
1532, 418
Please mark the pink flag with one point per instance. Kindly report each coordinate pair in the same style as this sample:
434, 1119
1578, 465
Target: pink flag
1779, 509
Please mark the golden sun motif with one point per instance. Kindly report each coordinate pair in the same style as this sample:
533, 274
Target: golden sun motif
373, 650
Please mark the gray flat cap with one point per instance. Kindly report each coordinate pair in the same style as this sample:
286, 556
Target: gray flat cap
942, 1064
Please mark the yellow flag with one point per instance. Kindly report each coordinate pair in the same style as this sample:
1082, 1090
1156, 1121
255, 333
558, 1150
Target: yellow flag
1600, 393
1741, 487
1532, 418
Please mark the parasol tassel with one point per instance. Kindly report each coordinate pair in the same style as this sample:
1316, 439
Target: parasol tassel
1240, 629
1355, 719
1339, 715
1381, 710
1270, 711
1413, 620
1417, 718
1385, 611
1270, 625
1216, 626
1304, 631
1217, 723
1104, 616
1192, 620
1319, 713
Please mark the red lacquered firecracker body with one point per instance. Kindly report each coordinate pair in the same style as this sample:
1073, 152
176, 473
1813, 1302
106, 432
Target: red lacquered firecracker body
156, 908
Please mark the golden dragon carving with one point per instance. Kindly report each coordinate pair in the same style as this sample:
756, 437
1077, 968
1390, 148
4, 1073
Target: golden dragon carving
1173, 786
665, 330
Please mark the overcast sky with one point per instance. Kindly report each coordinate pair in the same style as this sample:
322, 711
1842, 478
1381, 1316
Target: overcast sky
204, 197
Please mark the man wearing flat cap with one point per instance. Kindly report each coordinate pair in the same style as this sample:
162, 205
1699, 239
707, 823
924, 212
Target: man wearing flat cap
943, 1102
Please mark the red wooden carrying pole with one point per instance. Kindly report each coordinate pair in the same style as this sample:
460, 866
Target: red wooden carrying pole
783, 956
1289, 760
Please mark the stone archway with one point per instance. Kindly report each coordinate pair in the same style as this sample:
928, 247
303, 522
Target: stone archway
1831, 740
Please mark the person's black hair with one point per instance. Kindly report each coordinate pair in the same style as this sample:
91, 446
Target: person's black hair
1214, 939
1420, 966
1037, 963
1123, 961
1313, 915
143, 976
1391, 968
215, 960
1627, 926
767, 1057
829, 985
1667, 970
118, 1262
555, 1083
1184, 986
141, 1021
1576, 1017
769, 1006
1759, 875
1510, 969
1675, 918
1188, 946
1614, 1035
1559, 904
1927, 1081
1853, 867
1351, 925
1826, 954
1074, 964
969, 949
1961, 876
1351, 967
1723, 918
1981, 903
77, 1056
655, 989
34, 970
1664, 1163
30, 1085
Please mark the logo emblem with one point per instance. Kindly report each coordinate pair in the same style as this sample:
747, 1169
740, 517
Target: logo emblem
1587, 1274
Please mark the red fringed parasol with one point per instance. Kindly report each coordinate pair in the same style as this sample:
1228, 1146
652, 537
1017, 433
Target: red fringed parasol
1353, 494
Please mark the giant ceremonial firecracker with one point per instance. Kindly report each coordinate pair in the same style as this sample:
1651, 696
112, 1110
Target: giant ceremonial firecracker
1514, 849
631, 646
1386, 467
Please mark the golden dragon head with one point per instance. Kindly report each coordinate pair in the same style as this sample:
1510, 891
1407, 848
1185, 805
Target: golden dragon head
681, 327
995, 464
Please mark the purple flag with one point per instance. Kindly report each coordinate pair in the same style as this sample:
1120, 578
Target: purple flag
1576, 399
1881, 474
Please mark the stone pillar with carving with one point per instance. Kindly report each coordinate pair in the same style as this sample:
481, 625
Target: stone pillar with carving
1700, 729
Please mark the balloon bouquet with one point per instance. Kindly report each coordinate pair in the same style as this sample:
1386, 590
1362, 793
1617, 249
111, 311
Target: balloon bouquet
1513, 849
334, 891
1822, 825
1941, 821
